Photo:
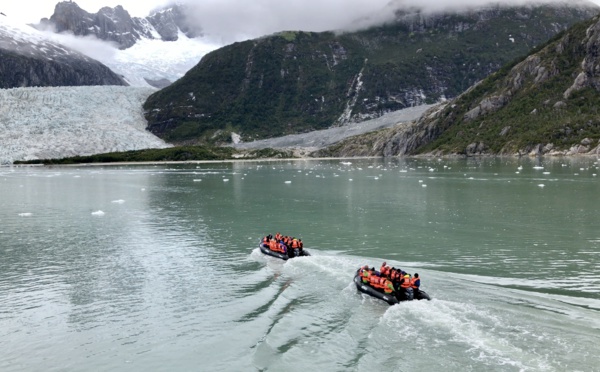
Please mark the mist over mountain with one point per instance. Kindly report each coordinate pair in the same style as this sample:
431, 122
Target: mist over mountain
227, 21
27, 58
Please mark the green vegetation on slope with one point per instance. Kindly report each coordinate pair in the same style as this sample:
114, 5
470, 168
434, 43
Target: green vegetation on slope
184, 153
537, 113
295, 82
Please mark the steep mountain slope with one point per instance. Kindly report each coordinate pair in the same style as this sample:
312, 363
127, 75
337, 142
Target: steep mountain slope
297, 81
115, 24
29, 59
547, 103
45, 123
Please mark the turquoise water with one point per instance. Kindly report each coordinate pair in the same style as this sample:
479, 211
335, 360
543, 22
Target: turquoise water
157, 267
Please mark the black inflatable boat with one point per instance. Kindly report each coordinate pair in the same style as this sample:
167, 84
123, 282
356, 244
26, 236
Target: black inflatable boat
291, 252
392, 299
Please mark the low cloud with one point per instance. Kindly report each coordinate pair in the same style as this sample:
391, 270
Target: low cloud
90, 45
226, 21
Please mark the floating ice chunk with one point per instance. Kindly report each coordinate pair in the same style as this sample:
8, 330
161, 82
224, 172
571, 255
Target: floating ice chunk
520, 167
423, 185
225, 179
538, 167
197, 180
143, 189
120, 201
288, 182
376, 178
420, 181
346, 163
541, 185
26, 214
546, 173
98, 213
350, 179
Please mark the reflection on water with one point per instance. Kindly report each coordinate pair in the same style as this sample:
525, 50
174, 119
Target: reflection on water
114, 268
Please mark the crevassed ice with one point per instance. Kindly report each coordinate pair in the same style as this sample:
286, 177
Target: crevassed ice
43, 123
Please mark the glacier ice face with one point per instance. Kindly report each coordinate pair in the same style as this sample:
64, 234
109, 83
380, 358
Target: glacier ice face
44, 123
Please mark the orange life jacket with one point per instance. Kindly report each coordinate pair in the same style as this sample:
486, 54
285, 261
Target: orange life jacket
388, 287
295, 243
406, 283
383, 270
413, 282
366, 274
374, 281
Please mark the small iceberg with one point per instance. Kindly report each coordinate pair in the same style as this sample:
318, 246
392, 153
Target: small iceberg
288, 182
26, 214
541, 185
120, 201
98, 213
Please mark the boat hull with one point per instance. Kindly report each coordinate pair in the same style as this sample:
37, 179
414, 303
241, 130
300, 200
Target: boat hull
389, 298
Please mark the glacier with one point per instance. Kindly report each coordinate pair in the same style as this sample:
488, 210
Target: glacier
57, 122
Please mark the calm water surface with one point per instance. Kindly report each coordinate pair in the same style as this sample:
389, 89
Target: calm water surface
156, 267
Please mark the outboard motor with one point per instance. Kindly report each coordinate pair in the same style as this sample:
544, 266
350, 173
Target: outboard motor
409, 294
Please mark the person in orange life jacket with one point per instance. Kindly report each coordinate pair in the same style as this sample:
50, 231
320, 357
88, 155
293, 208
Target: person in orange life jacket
415, 283
385, 270
405, 282
375, 281
295, 243
388, 286
364, 273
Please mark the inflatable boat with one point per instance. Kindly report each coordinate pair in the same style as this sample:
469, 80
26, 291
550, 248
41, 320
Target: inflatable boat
291, 252
405, 294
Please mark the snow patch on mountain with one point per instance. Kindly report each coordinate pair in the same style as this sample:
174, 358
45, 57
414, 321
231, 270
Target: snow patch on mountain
27, 41
44, 123
157, 59
152, 59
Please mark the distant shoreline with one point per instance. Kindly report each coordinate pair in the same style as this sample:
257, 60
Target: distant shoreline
241, 160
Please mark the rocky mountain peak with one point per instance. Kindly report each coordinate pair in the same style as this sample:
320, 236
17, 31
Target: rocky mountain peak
116, 24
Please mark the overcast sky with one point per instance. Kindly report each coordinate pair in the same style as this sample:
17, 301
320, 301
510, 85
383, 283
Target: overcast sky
240, 19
